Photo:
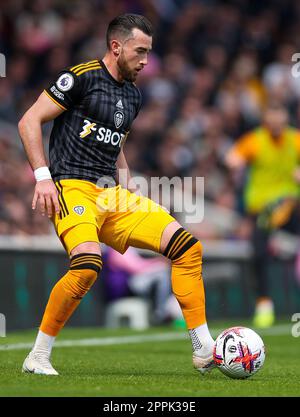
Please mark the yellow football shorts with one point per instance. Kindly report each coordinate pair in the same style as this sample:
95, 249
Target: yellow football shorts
113, 216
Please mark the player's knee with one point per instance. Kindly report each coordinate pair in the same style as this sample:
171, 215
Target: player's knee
196, 250
84, 270
82, 281
190, 258
181, 243
187, 274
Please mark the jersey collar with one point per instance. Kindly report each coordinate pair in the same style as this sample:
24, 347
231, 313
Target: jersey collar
119, 84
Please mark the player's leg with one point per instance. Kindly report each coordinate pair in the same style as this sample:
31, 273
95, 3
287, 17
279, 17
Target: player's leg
85, 265
185, 254
159, 231
264, 309
281, 214
79, 235
66, 295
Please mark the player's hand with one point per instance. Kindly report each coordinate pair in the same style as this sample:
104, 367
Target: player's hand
46, 197
296, 174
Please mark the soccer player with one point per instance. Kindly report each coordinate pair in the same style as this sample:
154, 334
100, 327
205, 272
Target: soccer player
93, 106
271, 152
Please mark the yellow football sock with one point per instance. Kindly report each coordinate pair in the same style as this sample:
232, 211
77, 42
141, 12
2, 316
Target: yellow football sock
185, 252
69, 290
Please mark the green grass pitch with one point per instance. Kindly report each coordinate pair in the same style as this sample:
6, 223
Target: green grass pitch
145, 368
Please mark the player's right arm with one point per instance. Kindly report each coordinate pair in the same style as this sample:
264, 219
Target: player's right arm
30, 129
242, 152
297, 170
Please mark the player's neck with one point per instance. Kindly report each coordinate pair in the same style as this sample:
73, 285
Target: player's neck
112, 67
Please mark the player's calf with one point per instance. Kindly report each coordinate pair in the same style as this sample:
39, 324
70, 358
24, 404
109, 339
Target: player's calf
185, 253
68, 292
64, 298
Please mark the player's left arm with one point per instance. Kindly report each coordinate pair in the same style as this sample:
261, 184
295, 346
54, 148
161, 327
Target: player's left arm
297, 170
124, 177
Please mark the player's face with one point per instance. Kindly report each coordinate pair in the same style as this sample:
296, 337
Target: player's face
276, 121
134, 54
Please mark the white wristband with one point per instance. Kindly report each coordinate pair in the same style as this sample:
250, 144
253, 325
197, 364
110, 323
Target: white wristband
42, 173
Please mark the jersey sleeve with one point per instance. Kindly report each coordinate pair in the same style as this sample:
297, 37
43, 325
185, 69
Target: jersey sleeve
246, 147
65, 90
298, 144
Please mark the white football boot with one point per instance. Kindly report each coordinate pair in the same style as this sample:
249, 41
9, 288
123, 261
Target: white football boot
38, 364
203, 361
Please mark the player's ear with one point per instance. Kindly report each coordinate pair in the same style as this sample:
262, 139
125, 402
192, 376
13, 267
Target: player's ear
115, 47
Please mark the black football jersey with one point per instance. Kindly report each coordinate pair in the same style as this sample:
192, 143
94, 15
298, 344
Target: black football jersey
86, 139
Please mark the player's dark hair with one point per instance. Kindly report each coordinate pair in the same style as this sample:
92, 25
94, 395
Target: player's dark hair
125, 23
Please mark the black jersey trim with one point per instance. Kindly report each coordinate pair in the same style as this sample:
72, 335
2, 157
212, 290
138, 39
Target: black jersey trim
56, 102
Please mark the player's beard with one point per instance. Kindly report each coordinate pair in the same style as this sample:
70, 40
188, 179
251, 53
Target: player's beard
126, 73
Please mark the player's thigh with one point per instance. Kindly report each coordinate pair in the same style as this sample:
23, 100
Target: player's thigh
142, 224
86, 247
154, 231
78, 222
81, 238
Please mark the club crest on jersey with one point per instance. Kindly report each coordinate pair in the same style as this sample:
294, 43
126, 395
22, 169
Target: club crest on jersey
65, 82
118, 119
79, 210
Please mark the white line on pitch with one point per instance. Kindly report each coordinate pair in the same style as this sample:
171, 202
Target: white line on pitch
283, 329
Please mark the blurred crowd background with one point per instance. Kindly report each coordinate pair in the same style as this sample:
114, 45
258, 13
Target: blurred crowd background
214, 67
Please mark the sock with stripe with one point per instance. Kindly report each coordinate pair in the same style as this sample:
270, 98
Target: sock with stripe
69, 290
185, 253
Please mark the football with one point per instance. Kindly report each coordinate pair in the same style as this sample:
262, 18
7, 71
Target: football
239, 352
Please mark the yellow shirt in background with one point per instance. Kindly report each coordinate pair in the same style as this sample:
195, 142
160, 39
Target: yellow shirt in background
271, 166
